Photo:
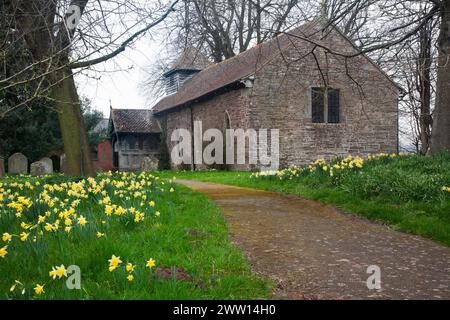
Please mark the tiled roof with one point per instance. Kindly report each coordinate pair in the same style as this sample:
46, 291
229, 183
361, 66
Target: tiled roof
134, 121
242, 66
191, 59
227, 72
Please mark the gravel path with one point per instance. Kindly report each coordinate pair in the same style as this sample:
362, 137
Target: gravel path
313, 251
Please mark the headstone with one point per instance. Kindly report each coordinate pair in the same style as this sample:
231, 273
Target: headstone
39, 168
2, 167
18, 163
150, 163
48, 164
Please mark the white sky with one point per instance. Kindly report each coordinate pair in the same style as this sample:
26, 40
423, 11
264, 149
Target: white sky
121, 80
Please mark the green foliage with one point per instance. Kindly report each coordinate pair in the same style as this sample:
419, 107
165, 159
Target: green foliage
35, 132
92, 118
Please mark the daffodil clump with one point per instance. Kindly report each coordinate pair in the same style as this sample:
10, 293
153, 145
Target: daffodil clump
36, 213
334, 168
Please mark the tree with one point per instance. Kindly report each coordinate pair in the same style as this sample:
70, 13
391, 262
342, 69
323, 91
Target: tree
58, 38
224, 28
408, 19
441, 128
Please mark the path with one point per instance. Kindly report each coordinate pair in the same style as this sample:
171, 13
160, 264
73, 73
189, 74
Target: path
312, 251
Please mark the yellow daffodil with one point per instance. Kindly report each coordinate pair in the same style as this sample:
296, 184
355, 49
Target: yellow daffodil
130, 267
6, 237
3, 251
130, 277
152, 203
61, 271
24, 236
108, 210
157, 213
114, 262
39, 289
99, 234
150, 263
82, 221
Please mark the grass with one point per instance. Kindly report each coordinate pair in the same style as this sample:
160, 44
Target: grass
403, 192
190, 234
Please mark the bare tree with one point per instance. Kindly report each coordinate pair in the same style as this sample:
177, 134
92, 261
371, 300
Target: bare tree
395, 24
58, 38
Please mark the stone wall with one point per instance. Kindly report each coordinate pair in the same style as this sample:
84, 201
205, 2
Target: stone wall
213, 114
281, 99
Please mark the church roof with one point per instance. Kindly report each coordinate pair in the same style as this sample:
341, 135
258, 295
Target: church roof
242, 66
134, 121
190, 59
229, 71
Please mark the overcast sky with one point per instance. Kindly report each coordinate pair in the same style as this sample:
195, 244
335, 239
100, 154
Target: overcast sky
121, 87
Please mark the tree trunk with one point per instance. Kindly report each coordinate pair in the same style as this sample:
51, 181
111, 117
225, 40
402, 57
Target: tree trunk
76, 144
424, 88
440, 140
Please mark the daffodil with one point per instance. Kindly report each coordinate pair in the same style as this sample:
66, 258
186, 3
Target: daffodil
108, 210
150, 263
99, 234
130, 277
114, 262
157, 213
58, 272
61, 271
152, 203
39, 289
24, 236
82, 221
3, 251
130, 267
6, 237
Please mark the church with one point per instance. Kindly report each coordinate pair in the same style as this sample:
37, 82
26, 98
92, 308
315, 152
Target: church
325, 97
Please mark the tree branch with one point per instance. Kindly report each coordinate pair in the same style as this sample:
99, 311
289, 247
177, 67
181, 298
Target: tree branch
123, 46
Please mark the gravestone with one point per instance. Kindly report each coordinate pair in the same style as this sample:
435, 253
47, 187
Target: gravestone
150, 163
18, 163
39, 168
48, 164
2, 167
